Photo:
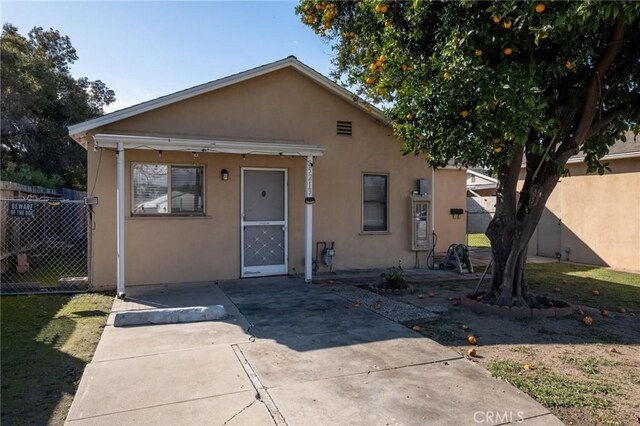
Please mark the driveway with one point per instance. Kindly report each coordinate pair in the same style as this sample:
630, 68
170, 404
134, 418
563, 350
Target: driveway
290, 353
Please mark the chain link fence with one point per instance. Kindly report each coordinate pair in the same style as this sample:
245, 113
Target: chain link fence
46, 246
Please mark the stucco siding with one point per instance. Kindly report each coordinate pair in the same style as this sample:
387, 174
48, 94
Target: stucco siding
281, 106
595, 219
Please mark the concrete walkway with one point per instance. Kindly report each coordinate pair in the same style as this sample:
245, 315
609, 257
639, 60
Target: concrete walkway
290, 353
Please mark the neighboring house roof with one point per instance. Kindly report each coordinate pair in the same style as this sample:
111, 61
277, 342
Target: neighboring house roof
476, 180
289, 62
619, 150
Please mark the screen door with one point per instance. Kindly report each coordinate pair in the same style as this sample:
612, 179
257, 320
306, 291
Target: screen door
264, 222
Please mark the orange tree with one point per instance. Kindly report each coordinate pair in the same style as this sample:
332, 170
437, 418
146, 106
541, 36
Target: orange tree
495, 84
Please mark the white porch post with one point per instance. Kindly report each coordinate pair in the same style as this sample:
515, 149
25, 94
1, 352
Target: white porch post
308, 224
120, 218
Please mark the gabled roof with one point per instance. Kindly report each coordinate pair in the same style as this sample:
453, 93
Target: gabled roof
289, 62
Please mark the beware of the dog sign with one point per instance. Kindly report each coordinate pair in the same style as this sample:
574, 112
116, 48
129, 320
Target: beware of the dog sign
21, 209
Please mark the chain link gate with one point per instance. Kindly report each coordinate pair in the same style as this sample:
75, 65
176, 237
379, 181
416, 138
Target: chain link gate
46, 246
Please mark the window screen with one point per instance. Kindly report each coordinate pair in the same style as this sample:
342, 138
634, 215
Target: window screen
374, 211
164, 189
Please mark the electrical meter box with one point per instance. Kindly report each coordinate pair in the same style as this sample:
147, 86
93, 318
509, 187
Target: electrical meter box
420, 222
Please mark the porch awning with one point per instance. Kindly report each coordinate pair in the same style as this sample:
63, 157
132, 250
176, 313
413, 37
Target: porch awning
161, 143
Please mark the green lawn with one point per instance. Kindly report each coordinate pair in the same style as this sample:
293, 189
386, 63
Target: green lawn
46, 342
577, 282
478, 240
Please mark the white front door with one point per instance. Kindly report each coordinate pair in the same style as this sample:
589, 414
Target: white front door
264, 222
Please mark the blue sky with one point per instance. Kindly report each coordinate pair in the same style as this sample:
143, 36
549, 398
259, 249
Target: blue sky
143, 50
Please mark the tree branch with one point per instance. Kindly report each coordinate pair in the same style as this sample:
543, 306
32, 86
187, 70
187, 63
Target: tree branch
593, 93
607, 118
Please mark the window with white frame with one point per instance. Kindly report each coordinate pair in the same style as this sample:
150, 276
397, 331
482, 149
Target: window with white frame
375, 202
167, 189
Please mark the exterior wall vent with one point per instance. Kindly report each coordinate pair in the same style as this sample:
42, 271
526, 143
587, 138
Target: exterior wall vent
345, 128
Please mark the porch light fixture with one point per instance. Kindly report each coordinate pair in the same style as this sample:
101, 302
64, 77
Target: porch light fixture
224, 174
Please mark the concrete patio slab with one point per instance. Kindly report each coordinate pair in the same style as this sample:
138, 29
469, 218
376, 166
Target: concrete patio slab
322, 356
143, 382
235, 409
435, 394
116, 343
306, 350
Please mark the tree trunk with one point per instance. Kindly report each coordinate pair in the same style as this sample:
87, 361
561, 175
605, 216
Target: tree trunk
515, 220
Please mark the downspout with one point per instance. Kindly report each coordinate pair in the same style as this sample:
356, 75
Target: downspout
308, 216
433, 209
120, 219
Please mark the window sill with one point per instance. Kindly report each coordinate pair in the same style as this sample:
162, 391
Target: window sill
166, 217
374, 233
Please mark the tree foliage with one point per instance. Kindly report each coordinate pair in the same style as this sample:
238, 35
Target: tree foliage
40, 98
493, 84
470, 82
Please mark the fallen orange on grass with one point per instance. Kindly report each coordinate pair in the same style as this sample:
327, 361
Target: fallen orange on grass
471, 352
421, 296
613, 350
622, 310
464, 327
416, 328
596, 293
604, 312
580, 312
587, 320
557, 289
472, 339
432, 295
527, 367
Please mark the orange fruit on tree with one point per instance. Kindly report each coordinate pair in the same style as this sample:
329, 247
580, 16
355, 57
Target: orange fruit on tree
370, 80
496, 19
540, 7
409, 116
383, 58
508, 51
497, 149
569, 65
447, 75
464, 113
421, 137
478, 52
506, 24
587, 321
472, 339
471, 352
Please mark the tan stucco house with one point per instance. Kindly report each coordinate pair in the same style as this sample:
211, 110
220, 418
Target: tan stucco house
243, 176
595, 219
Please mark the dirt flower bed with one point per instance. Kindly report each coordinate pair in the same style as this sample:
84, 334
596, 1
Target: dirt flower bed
585, 374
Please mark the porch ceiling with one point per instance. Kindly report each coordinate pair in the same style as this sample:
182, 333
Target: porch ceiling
162, 143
